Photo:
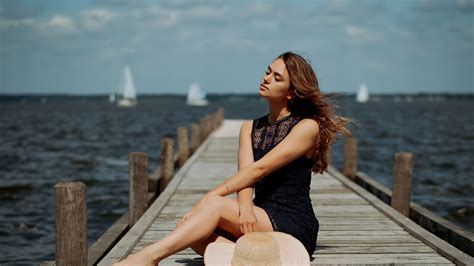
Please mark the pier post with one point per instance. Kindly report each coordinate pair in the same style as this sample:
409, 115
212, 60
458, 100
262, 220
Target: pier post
195, 138
350, 157
202, 130
138, 173
402, 179
183, 147
221, 115
210, 127
166, 162
207, 124
71, 223
213, 119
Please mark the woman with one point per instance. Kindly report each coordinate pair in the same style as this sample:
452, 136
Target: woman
277, 153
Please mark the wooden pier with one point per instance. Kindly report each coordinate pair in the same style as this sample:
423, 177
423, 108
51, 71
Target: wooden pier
355, 226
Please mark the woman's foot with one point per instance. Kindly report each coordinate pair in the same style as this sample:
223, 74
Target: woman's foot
139, 258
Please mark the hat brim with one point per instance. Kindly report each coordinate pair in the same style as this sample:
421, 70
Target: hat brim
292, 251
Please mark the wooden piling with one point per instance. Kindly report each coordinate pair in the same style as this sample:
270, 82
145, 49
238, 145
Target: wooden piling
183, 147
211, 121
202, 130
402, 179
166, 162
209, 124
215, 120
71, 223
195, 138
350, 157
220, 116
138, 173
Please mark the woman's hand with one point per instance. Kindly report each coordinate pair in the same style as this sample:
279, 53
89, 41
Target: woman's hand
248, 221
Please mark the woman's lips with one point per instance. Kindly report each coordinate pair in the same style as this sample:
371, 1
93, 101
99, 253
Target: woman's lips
263, 86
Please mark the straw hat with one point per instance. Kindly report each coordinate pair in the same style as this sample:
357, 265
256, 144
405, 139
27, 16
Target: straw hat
258, 248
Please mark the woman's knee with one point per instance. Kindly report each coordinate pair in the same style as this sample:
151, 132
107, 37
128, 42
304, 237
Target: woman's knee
214, 202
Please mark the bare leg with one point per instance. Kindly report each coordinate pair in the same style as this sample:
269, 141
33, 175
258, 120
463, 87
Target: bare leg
197, 227
200, 226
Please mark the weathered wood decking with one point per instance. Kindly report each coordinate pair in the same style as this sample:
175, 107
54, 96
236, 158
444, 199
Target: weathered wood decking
355, 226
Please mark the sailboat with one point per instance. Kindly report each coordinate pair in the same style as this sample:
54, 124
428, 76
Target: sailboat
362, 93
112, 97
196, 96
129, 95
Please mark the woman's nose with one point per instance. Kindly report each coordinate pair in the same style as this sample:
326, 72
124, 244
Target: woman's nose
266, 78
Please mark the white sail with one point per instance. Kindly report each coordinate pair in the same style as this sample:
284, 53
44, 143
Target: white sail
196, 96
128, 86
362, 94
129, 95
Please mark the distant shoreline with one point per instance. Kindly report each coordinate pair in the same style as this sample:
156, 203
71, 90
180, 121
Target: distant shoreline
342, 94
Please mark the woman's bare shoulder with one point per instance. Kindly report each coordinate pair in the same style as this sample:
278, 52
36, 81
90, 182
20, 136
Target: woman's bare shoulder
246, 127
308, 124
306, 127
246, 124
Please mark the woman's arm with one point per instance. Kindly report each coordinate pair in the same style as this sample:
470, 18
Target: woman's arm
300, 139
245, 158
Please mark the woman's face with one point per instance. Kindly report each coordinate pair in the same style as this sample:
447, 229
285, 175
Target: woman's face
276, 81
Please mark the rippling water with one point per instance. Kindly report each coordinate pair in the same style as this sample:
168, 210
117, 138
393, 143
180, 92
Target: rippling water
87, 139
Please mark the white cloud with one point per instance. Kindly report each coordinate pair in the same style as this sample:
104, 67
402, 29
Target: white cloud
58, 24
62, 22
97, 18
167, 17
13, 23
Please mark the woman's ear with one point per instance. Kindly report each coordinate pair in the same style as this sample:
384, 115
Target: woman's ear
291, 94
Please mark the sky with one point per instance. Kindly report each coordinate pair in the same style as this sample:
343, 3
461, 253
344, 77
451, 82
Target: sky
81, 47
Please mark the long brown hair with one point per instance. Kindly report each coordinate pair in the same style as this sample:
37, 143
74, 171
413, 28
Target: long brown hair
309, 102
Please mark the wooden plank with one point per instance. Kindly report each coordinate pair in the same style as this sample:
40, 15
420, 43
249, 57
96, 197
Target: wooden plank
447, 230
402, 258
372, 248
439, 245
126, 244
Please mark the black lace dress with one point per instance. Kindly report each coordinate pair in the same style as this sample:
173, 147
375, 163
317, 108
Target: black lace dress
284, 194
